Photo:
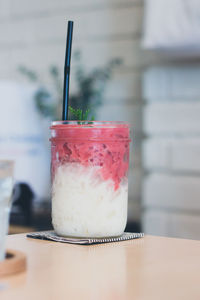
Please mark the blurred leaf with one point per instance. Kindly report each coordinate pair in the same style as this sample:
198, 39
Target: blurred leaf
89, 94
32, 75
77, 54
54, 71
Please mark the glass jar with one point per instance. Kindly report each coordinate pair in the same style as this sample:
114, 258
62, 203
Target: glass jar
6, 185
89, 168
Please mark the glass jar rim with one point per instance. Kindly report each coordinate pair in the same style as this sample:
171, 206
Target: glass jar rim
87, 124
87, 128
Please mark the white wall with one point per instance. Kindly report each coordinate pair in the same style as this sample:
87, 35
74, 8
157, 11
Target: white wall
32, 33
171, 152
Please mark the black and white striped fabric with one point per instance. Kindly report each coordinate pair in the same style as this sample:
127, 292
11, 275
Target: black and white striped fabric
52, 236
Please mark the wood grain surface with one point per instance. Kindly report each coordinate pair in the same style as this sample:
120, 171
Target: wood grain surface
150, 268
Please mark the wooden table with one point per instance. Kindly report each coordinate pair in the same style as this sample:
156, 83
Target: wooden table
148, 268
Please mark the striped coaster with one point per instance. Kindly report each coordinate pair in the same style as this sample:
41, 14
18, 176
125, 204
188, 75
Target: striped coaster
52, 236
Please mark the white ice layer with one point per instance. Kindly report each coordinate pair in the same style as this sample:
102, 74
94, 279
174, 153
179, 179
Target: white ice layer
84, 205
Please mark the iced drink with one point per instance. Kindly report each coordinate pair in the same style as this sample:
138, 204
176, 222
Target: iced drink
89, 178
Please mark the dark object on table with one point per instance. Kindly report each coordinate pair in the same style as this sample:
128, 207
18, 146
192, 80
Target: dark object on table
23, 197
133, 226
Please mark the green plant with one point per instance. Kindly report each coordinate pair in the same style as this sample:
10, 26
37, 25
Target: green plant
90, 89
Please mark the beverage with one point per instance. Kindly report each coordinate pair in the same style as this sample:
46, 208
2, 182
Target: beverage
89, 178
6, 183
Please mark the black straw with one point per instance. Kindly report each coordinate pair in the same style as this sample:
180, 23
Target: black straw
67, 70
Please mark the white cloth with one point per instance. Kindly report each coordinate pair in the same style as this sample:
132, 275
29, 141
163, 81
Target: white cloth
172, 25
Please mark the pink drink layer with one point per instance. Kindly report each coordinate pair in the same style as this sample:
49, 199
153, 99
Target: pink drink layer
106, 146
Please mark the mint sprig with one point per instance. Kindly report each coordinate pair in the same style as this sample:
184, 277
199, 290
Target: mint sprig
79, 115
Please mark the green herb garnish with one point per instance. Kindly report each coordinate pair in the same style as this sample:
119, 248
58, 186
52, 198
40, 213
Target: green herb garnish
79, 114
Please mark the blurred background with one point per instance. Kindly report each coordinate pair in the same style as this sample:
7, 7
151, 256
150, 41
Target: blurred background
137, 61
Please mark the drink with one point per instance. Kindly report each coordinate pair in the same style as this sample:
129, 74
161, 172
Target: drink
6, 182
89, 178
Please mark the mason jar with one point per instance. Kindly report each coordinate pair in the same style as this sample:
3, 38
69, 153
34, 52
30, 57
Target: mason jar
89, 168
